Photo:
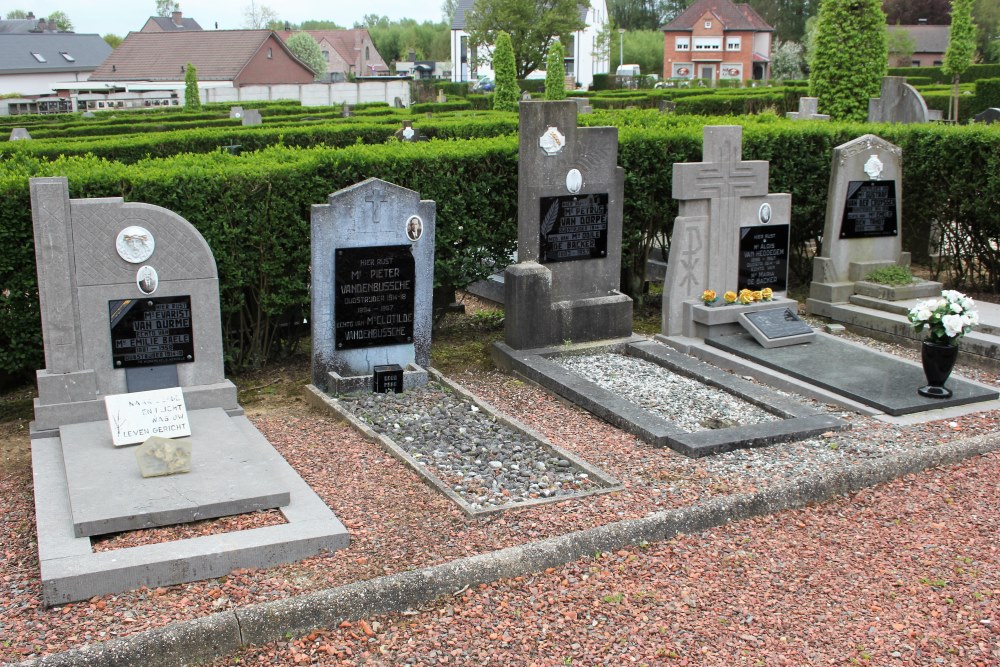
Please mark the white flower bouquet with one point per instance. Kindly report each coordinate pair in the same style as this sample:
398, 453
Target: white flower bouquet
949, 317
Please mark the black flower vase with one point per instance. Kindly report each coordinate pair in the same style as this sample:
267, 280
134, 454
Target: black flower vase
938, 360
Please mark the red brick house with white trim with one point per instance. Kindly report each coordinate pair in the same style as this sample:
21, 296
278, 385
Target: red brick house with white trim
717, 40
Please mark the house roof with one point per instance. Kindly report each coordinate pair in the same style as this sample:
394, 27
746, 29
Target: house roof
732, 16
926, 38
218, 55
17, 25
59, 52
166, 24
343, 42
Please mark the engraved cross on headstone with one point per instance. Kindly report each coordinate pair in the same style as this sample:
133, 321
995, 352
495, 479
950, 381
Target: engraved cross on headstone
376, 198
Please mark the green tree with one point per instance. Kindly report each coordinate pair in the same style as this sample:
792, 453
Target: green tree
909, 12
849, 57
61, 21
961, 49
787, 61
165, 7
192, 98
448, 8
112, 40
787, 17
555, 73
16, 14
987, 17
304, 47
320, 25
636, 14
531, 24
507, 93
901, 47
643, 48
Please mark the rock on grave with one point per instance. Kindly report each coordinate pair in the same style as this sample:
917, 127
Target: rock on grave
162, 456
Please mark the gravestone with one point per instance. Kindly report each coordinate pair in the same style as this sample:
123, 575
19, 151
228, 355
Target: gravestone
129, 303
19, 134
899, 102
409, 133
251, 117
88, 114
989, 116
525, 96
777, 327
441, 97
397, 102
730, 234
862, 228
345, 110
808, 107
668, 106
236, 112
582, 105
372, 282
570, 192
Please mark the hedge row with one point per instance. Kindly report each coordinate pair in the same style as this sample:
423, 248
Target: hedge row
254, 212
935, 74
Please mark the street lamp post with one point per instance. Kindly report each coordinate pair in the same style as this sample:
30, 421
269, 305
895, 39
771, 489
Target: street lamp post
621, 48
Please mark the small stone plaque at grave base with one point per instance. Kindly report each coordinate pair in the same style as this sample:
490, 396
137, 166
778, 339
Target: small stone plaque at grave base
869, 210
777, 327
151, 332
388, 379
163, 456
135, 416
373, 296
573, 227
763, 260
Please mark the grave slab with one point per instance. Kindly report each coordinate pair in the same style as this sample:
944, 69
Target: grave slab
777, 327
227, 477
879, 380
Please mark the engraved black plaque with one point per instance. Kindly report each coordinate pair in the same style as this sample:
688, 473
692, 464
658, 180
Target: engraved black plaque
388, 379
763, 260
779, 323
373, 296
573, 227
870, 210
151, 332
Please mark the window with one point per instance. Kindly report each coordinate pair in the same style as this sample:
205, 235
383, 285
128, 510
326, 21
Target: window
708, 25
68, 57
682, 44
733, 43
326, 56
270, 53
367, 56
39, 57
707, 43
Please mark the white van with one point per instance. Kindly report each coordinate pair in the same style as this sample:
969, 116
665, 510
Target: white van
627, 70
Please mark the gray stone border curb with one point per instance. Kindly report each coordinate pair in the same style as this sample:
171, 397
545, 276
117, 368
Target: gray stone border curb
221, 634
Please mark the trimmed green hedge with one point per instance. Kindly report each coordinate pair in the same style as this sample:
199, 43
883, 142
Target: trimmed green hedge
935, 74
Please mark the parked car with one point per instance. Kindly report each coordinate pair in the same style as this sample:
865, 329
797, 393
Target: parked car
484, 85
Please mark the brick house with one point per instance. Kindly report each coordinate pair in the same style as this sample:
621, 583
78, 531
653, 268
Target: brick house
717, 40
347, 53
930, 42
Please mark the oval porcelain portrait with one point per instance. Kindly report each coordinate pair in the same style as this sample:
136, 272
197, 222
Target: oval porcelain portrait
764, 213
146, 279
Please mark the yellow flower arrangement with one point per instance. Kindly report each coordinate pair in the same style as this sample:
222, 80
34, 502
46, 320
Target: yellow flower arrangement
767, 294
730, 297
708, 296
746, 296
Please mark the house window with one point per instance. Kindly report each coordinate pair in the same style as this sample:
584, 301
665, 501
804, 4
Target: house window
39, 57
708, 25
326, 56
68, 57
707, 43
270, 53
733, 44
367, 56
682, 44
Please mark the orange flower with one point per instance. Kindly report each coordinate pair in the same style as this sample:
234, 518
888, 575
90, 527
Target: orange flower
767, 293
746, 296
730, 297
708, 296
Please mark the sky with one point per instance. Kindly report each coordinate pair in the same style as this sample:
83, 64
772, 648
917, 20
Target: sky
102, 17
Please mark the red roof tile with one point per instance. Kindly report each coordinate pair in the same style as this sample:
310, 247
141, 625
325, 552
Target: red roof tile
732, 16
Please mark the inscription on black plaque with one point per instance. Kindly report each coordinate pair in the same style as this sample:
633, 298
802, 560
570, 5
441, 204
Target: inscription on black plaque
151, 332
573, 227
763, 260
373, 296
779, 323
388, 379
870, 210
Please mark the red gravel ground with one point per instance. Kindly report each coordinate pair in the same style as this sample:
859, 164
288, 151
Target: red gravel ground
805, 585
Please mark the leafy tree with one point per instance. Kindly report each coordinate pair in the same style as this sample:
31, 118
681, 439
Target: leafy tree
901, 47
961, 49
257, 16
192, 98
636, 14
787, 17
670, 9
448, 8
319, 25
645, 49
909, 12
15, 14
787, 61
555, 73
507, 93
61, 21
850, 57
532, 25
987, 17
304, 47
112, 40
394, 39
166, 7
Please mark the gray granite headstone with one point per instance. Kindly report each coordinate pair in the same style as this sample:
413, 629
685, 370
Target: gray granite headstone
863, 228
808, 107
570, 193
898, 102
668, 106
409, 133
372, 285
989, 116
19, 134
345, 111
114, 278
724, 204
236, 112
525, 96
397, 102
252, 117
582, 105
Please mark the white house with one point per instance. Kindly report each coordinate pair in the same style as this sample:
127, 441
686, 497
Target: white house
582, 58
34, 61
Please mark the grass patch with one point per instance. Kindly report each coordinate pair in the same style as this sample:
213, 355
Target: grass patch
891, 275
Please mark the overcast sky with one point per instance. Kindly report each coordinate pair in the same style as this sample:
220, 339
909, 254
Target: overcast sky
95, 16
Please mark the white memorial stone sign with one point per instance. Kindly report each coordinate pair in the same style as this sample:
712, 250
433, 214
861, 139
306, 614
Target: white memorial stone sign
136, 416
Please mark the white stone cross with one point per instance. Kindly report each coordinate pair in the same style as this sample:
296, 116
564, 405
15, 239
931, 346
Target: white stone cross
808, 106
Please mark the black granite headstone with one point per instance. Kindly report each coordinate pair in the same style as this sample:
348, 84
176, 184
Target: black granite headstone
373, 296
779, 323
151, 332
870, 210
388, 379
763, 260
573, 227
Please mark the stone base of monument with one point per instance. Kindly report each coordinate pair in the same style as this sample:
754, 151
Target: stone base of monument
84, 486
796, 420
719, 319
413, 376
918, 289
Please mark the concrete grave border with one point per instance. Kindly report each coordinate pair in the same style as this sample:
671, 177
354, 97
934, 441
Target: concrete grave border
318, 399
797, 421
